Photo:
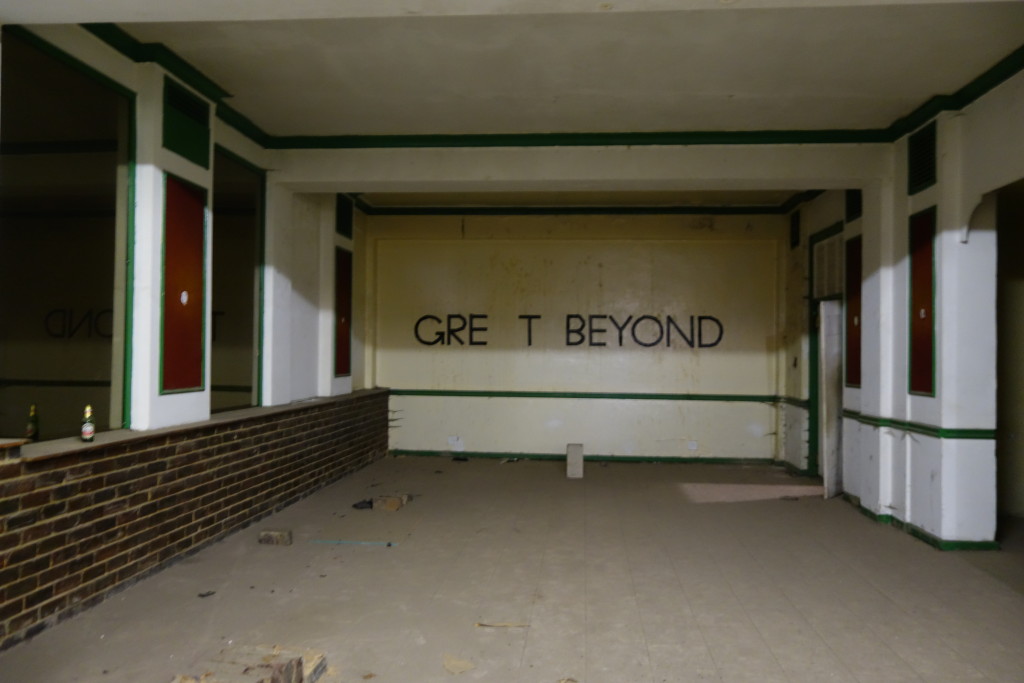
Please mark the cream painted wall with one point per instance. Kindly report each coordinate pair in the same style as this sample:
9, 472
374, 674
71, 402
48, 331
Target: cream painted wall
725, 268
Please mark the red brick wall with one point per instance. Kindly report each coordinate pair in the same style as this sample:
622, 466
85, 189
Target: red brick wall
76, 525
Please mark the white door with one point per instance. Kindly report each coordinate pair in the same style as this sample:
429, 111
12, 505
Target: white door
830, 382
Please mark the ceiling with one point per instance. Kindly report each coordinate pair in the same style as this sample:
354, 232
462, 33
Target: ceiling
459, 67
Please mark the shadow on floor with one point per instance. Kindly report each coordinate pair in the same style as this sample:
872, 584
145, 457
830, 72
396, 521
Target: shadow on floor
1007, 563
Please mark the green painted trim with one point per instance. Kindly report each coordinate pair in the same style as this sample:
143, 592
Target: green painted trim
163, 283
182, 134
130, 95
137, 51
793, 469
54, 51
799, 198
237, 388
739, 398
781, 209
919, 428
140, 52
667, 138
242, 124
261, 294
574, 211
796, 402
942, 544
917, 532
595, 458
129, 265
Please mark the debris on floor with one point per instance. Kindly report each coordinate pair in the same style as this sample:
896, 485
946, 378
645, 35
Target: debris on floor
460, 458
505, 461
365, 504
454, 665
502, 624
260, 664
391, 503
574, 461
276, 537
206, 594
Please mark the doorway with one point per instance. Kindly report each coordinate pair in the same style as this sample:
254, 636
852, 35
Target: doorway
236, 282
1009, 359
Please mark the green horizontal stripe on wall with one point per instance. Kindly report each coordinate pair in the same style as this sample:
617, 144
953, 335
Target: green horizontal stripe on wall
596, 458
918, 428
796, 402
741, 398
780, 209
670, 138
918, 532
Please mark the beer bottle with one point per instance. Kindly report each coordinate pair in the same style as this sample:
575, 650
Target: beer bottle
88, 425
32, 427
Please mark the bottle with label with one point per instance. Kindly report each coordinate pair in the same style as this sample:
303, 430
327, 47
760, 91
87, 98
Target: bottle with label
88, 425
32, 426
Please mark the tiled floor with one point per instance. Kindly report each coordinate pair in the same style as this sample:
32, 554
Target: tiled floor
636, 573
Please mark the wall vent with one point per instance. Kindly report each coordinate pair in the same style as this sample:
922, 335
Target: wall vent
921, 161
186, 128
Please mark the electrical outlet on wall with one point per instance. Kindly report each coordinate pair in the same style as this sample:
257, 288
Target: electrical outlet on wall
455, 443
692, 445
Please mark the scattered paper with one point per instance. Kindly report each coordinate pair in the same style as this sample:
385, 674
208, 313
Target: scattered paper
454, 665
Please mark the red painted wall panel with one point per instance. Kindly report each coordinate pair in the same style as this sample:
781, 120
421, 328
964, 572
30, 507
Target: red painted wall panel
342, 312
922, 314
184, 288
854, 266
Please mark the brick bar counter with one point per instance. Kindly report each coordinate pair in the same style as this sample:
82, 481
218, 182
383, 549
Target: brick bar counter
78, 521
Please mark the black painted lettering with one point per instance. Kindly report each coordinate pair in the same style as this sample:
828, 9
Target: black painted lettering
56, 323
529, 327
621, 328
577, 331
670, 323
438, 334
86, 318
700, 331
596, 330
453, 332
108, 331
657, 323
474, 328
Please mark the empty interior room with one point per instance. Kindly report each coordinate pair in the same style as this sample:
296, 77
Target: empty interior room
420, 341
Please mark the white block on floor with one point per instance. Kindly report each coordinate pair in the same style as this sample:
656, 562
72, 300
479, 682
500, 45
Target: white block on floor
574, 461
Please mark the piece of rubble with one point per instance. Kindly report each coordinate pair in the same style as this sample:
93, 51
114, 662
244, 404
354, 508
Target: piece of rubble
276, 537
260, 664
390, 503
